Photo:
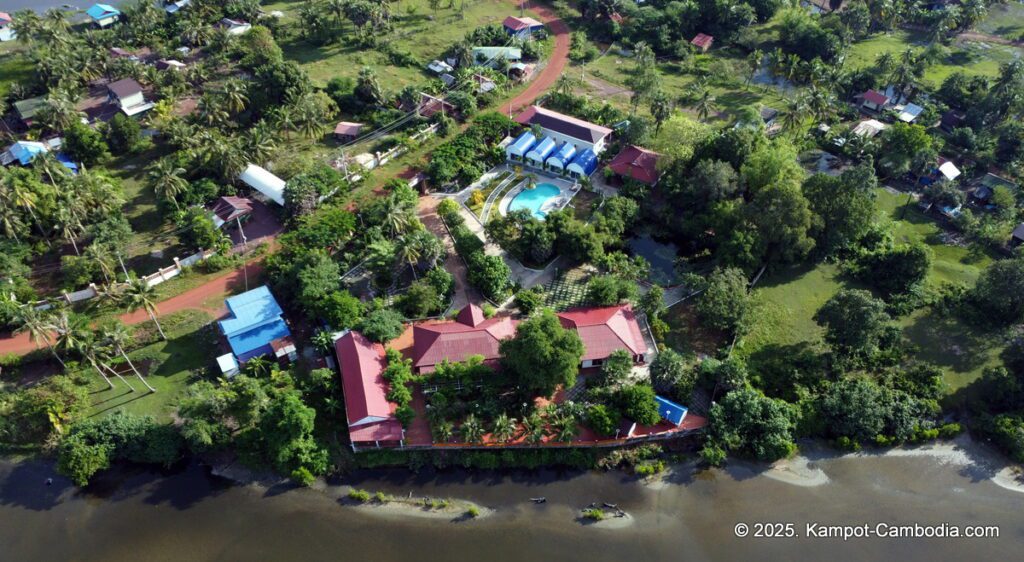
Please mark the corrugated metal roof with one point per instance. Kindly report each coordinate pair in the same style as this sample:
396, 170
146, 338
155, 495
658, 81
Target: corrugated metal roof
670, 411
542, 150
250, 309
564, 124
562, 156
584, 163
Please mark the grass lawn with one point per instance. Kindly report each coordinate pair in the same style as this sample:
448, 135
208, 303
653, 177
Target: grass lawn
676, 79
14, 67
972, 58
785, 303
413, 31
169, 366
686, 333
1004, 20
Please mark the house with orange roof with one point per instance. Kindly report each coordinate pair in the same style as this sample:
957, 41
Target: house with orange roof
371, 417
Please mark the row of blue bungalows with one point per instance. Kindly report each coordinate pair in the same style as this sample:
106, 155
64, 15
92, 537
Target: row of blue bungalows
546, 154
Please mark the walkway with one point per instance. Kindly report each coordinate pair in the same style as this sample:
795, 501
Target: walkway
464, 292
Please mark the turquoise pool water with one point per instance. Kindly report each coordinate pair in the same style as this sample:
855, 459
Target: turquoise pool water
534, 199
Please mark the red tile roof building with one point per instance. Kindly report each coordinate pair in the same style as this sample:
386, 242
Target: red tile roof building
371, 418
876, 100
603, 330
637, 164
470, 334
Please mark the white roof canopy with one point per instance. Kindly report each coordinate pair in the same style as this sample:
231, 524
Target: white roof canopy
263, 181
227, 363
949, 171
910, 112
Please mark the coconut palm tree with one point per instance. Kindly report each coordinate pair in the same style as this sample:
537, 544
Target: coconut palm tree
257, 366
704, 103
754, 62
795, 114
50, 167
117, 335
73, 334
103, 354
504, 428
38, 328
167, 179
566, 84
10, 220
22, 196
233, 94
259, 143
138, 293
661, 110
409, 251
67, 224
59, 112
472, 430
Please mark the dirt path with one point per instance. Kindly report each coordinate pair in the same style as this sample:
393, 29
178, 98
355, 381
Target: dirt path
464, 292
556, 64
197, 298
986, 38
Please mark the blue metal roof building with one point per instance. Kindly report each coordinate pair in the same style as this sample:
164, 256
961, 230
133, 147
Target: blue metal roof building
25, 151
670, 411
561, 158
583, 164
254, 321
99, 12
520, 146
540, 153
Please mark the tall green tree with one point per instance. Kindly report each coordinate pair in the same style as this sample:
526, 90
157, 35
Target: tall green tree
542, 355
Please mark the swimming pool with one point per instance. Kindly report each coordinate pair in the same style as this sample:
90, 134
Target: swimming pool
534, 199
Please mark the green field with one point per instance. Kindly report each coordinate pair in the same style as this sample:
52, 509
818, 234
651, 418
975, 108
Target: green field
169, 366
413, 32
1004, 20
13, 68
726, 67
972, 58
785, 303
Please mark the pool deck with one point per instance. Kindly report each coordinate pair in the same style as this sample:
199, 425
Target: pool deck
566, 191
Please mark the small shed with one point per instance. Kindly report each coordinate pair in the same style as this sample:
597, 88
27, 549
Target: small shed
170, 64
258, 178
484, 84
228, 208
702, 42
346, 130
228, 365
909, 113
175, 7
23, 152
949, 171
869, 128
234, 27
439, 67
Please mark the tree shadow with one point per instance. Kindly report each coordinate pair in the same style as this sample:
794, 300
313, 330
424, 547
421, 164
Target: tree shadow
25, 486
948, 342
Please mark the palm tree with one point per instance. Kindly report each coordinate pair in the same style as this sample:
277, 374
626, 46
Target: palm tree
118, 336
472, 430
52, 168
73, 334
38, 328
409, 252
168, 180
257, 366
754, 62
566, 84
704, 104
138, 293
10, 220
100, 255
68, 225
103, 354
795, 115
504, 428
25, 198
323, 340
234, 96
444, 431
566, 428
661, 110
259, 143
59, 112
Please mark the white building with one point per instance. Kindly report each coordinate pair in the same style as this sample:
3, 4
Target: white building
565, 129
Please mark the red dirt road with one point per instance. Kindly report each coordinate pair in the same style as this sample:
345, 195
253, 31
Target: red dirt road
193, 299
547, 76
21, 344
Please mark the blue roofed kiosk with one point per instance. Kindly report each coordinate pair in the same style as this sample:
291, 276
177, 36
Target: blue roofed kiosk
255, 327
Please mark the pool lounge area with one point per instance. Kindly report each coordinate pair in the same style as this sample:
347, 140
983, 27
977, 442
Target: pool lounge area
549, 194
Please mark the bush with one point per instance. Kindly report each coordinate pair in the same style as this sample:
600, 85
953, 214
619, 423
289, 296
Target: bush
405, 414
602, 420
593, 514
949, 430
649, 468
713, 455
361, 496
303, 477
472, 512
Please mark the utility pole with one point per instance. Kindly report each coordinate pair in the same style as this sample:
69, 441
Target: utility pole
123, 268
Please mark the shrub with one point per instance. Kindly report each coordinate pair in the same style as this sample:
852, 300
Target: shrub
713, 455
405, 414
380, 497
361, 496
303, 477
949, 430
593, 514
649, 468
472, 512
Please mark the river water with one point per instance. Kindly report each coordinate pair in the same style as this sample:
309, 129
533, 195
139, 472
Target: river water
135, 514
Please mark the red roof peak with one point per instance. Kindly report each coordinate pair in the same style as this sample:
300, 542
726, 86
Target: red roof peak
472, 315
637, 163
